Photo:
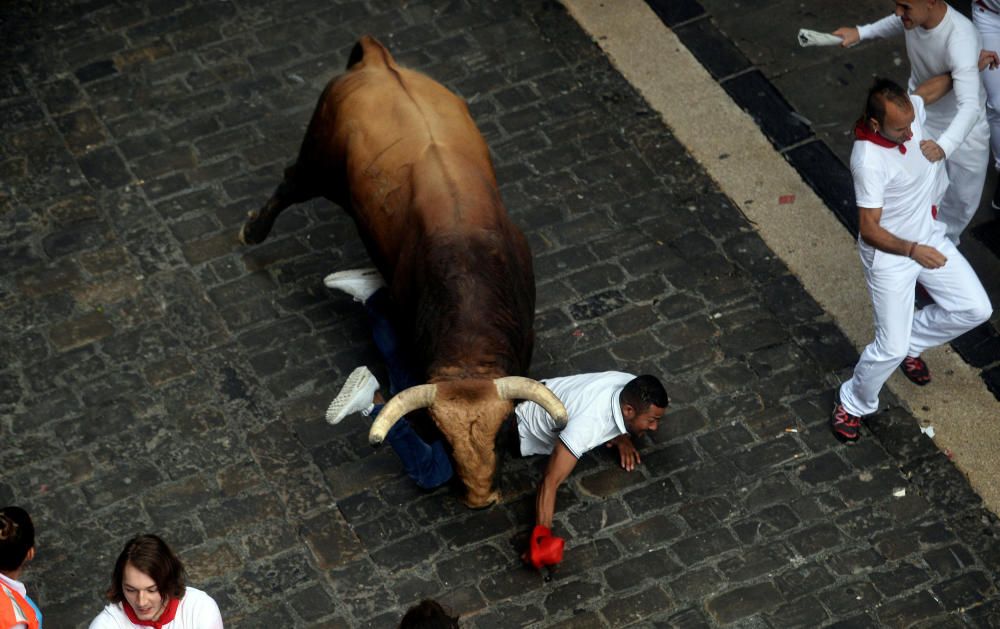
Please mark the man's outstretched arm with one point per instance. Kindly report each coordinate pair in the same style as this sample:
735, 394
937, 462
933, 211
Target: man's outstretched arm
889, 26
561, 463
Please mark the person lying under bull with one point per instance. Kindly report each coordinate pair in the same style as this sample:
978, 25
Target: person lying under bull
610, 408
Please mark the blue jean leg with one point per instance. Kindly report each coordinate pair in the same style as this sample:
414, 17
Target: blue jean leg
401, 373
427, 464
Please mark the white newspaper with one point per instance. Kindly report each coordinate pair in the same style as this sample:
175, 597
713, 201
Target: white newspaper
816, 38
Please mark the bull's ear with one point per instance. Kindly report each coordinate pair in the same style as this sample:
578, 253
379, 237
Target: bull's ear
357, 54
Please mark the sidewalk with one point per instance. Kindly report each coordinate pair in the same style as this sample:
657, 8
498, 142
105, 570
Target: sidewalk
160, 377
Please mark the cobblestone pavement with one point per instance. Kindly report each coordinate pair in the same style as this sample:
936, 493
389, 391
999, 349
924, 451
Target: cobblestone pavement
158, 376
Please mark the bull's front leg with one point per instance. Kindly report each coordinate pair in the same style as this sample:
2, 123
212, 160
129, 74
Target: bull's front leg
290, 191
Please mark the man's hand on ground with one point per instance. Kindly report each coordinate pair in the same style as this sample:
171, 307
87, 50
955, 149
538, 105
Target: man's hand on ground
626, 451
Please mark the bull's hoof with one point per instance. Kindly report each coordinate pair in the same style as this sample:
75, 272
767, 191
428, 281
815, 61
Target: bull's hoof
253, 231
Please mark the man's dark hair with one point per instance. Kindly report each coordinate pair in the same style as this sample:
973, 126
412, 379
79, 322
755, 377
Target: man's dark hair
151, 556
882, 91
17, 537
428, 615
643, 391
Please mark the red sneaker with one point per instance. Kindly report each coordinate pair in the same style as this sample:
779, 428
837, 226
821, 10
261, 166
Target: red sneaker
846, 427
916, 370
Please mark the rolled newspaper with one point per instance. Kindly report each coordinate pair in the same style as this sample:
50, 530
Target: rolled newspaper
816, 38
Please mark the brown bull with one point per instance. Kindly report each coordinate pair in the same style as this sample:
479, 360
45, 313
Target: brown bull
402, 155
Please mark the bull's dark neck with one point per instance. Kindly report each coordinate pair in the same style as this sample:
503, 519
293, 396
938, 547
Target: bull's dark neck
474, 310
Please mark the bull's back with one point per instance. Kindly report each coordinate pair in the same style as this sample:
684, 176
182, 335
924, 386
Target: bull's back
421, 187
413, 157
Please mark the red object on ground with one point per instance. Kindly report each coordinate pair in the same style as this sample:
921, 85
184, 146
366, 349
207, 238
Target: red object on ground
785, 199
544, 548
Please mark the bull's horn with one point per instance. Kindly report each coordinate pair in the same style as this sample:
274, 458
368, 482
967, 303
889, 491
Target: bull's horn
406, 401
518, 388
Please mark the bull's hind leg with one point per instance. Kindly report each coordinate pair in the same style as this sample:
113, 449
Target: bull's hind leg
290, 191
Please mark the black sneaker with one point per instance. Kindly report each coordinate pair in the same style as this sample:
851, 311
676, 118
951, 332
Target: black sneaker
846, 427
915, 370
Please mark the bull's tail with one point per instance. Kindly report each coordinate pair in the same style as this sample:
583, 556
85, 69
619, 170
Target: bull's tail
369, 50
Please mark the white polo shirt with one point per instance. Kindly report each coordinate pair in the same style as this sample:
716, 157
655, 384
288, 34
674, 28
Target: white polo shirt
595, 414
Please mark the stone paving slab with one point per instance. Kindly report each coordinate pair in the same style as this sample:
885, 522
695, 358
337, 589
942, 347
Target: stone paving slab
160, 377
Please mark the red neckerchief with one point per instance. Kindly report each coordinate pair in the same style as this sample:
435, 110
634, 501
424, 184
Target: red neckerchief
167, 615
862, 132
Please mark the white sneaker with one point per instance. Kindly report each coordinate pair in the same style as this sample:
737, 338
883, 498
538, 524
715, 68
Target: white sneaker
357, 395
358, 283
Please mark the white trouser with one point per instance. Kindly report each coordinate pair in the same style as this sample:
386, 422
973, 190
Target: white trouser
960, 304
966, 168
988, 24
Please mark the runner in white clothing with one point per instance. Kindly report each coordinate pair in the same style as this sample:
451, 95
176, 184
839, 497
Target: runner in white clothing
603, 408
197, 610
147, 590
900, 243
940, 40
986, 17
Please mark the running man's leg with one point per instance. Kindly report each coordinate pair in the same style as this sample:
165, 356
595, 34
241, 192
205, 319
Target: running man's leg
988, 24
891, 287
960, 302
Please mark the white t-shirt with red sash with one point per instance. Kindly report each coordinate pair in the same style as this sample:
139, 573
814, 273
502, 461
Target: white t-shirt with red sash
900, 180
196, 610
